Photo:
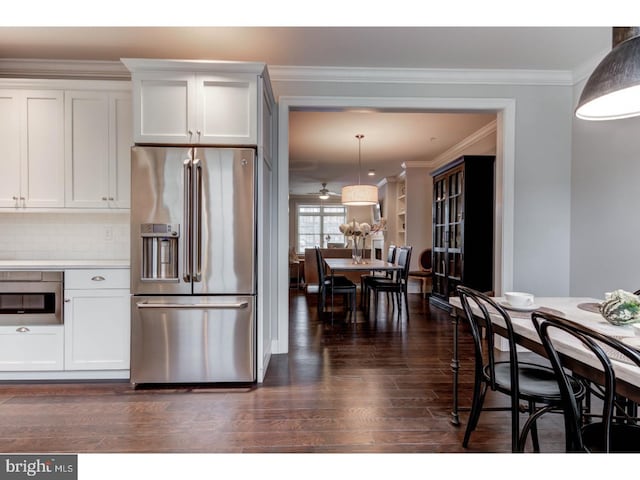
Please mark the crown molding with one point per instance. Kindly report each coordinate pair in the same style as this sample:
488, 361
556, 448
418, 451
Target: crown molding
116, 70
80, 69
415, 164
281, 73
458, 149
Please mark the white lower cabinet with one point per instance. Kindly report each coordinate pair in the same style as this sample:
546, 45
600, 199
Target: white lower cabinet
31, 348
96, 329
96, 320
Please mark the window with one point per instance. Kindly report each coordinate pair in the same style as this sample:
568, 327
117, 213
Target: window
319, 225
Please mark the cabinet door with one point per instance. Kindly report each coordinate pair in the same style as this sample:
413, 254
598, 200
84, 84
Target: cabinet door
164, 108
440, 236
97, 329
227, 109
32, 348
87, 149
121, 141
42, 178
10, 102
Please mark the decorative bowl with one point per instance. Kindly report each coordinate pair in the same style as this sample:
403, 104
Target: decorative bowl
621, 307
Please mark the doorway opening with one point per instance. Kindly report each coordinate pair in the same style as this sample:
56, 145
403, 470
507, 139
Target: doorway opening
502, 108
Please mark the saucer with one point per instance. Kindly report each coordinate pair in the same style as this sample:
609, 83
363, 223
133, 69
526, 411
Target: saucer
524, 308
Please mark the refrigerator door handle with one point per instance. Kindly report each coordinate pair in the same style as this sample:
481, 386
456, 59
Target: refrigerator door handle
198, 306
188, 254
197, 219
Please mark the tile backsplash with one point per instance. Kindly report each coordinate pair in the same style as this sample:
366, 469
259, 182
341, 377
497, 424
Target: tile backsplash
64, 236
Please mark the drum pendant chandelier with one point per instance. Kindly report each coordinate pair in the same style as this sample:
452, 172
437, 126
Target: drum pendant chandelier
613, 89
357, 195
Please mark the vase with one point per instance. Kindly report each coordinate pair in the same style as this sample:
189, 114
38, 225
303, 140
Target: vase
356, 250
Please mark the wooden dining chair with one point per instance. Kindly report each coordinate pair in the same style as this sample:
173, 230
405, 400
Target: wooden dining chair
530, 383
397, 286
365, 280
615, 431
425, 273
339, 285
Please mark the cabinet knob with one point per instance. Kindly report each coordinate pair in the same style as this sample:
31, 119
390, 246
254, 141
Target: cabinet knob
22, 329
198, 132
111, 198
104, 199
15, 198
22, 198
67, 300
190, 134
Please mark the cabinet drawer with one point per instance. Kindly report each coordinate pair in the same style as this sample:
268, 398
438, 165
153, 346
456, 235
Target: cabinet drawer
96, 278
31, 348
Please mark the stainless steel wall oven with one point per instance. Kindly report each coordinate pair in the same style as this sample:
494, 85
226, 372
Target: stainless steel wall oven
31, 297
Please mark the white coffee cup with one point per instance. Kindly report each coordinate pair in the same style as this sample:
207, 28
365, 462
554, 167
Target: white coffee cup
519, 299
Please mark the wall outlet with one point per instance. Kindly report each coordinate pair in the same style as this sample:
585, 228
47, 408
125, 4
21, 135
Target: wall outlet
108, 233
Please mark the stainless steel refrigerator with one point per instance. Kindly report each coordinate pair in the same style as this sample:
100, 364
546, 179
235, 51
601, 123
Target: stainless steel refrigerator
193, 265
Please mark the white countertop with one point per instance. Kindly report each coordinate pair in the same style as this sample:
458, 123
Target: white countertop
61, 264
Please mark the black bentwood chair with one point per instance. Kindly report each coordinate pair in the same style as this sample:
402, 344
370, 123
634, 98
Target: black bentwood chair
528, 382
616, 431
340, 285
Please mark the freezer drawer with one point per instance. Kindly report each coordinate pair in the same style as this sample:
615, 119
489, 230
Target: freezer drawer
193, 339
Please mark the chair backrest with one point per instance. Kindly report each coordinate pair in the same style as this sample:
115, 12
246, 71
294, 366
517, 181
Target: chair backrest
391, 254
481, 318
404, 261
602, 348
320, 262
425, 259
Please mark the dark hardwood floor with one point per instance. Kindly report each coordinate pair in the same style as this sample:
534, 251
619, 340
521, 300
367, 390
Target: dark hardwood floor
377, 385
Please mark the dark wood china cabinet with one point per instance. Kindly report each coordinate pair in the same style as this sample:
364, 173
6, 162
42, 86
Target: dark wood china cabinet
463, 212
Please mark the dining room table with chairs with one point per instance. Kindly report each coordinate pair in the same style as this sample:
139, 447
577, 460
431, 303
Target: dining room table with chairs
560, 329
336, 266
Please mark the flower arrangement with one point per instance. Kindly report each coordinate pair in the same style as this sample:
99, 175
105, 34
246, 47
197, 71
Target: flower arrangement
621, 307
357, 233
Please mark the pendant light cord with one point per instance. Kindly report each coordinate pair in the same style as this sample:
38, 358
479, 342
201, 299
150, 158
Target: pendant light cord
359, 136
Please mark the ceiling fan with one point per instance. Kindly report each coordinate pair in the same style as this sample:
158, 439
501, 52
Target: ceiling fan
324, 193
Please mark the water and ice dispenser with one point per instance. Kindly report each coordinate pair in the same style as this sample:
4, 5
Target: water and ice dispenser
159, 251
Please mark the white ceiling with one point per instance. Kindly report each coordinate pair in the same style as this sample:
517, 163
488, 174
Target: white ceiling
540, 48
322, 144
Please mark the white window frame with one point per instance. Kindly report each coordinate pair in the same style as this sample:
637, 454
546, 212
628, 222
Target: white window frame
321, 213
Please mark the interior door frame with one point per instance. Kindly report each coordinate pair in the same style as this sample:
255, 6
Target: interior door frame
505, 110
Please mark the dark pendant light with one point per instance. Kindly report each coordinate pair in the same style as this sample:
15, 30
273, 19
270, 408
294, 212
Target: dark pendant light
613, 89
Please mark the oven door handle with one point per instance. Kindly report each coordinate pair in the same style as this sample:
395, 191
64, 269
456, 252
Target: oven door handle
196, 306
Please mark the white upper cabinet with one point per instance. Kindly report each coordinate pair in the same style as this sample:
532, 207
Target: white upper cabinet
213, 103
31, 148
98, 136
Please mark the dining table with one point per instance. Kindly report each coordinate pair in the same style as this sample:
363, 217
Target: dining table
582, 310
344, 265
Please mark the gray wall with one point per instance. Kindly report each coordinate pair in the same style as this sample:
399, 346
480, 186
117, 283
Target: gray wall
543, 126
605, 197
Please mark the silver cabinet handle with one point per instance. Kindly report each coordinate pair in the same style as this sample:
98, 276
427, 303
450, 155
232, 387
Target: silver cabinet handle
98, 278
22, 329
15, 198
67, 300
104, 199
195, 306
111, 198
